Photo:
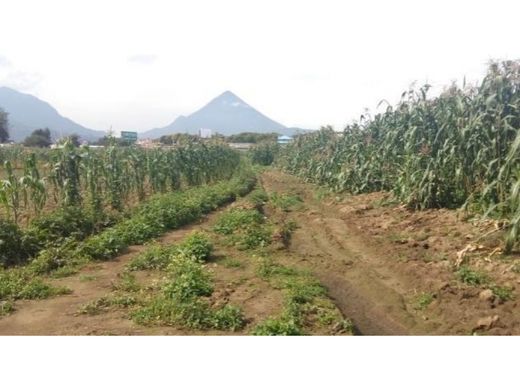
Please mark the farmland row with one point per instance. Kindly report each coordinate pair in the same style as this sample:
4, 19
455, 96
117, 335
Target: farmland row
460, 149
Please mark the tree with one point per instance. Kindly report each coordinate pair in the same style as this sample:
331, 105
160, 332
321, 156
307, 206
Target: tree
73, 138
4, 126
108, 140
40, 138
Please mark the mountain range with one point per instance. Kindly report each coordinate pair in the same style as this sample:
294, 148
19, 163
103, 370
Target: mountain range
28, 113
226, 114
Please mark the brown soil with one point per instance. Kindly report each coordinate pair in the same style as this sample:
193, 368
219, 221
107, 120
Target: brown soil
375, 261
61, 315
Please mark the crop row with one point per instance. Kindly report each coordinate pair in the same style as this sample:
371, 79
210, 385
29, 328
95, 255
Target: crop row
459, 149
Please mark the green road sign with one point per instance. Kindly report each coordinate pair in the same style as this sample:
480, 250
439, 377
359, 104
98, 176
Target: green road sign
129, 135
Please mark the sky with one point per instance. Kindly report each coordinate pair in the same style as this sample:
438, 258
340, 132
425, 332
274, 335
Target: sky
136, 65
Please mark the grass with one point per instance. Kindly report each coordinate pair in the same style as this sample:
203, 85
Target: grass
87, 278
127, 283
181, 300
6, 307
236, 219
472, 277
232, 263
154, 257
286, 202
18, 283
423, 300
304, 296
503, 293
245, 228
102, 304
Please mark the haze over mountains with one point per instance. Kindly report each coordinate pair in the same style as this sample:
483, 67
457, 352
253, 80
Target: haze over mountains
28, 113
226, 114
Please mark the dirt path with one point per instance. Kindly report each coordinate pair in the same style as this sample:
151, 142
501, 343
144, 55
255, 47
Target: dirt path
373, 280
59, 315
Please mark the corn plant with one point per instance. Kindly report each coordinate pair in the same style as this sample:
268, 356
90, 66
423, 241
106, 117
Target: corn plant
459, 149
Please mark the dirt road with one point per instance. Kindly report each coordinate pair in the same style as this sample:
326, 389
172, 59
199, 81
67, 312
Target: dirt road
375, 279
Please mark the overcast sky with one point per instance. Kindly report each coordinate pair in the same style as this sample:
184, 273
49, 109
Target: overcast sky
139, 64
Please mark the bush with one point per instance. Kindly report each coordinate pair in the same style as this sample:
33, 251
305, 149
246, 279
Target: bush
12, 251
188, 279
65, 222
236, 219
196, 245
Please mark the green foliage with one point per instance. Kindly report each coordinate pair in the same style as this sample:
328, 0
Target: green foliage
228, 318
17, 283
40, 138
237, 218
284, 326
258, 197
503, 293
11, 245
187, 279
196, 245
303, 295
232, 263
6, 307
264, 153
459, 149
4, 126
245, 228
286, 202
52, 228
155, 256
180, 302
423, 300
252, 138
268, 268
471, 277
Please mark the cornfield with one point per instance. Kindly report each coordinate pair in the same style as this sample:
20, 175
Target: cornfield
460, 149
111, 178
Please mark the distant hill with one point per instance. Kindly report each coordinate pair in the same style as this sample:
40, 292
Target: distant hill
226, 114
28, 113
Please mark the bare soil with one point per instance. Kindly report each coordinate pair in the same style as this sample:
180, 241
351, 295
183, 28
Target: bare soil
377, 260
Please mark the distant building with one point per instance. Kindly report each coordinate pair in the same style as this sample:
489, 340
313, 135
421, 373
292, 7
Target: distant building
147, 143
205, 133
284, 139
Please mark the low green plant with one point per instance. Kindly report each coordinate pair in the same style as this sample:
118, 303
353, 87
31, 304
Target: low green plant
197, 245
228, 318
277, 327
268, 268
232, 263
423, 300
286, 202
258, 197
503, 293
187, 278
6, 307
18, 283
12, 251
471, 277
236, 219
126, 283
155, 256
